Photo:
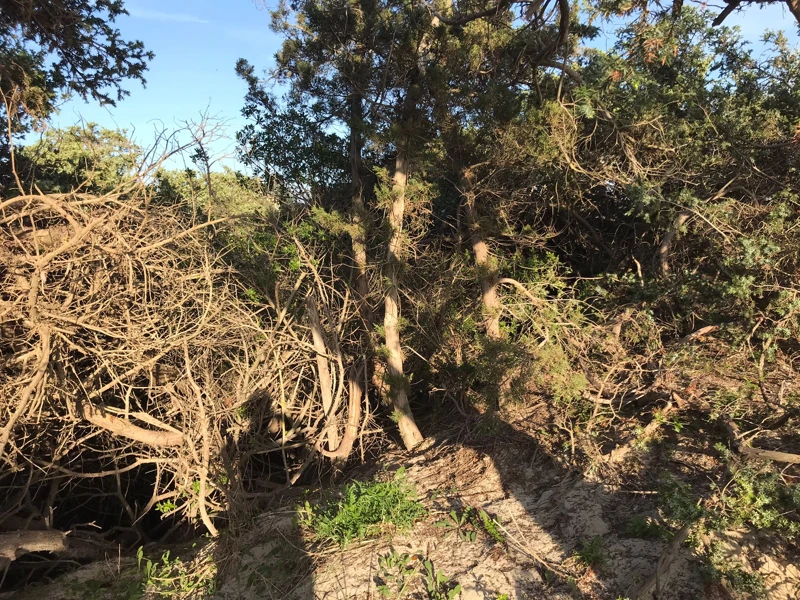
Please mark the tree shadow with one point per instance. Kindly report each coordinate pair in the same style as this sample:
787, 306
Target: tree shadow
570, 534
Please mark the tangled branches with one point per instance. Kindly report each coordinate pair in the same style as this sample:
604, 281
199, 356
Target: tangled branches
134, 368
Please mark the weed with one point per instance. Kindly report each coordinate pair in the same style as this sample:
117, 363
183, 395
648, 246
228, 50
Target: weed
461, 524
468, 523
763, 501
363, 510
398, 572
677, 501
438, 584
491, 526
646, 528
173, 578
592, 553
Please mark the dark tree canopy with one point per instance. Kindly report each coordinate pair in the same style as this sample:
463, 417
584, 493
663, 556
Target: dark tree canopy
89, 55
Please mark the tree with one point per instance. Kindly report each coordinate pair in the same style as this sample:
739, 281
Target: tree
86, 158
65, 45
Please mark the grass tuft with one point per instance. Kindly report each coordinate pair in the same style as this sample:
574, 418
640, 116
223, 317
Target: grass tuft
363, 510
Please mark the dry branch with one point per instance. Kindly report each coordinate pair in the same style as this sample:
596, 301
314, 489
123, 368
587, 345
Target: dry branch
100, 416
103, 299
654, 585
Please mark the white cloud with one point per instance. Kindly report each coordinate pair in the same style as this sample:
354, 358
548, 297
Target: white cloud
155, 15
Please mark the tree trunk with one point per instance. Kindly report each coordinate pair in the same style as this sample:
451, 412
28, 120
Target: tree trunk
398, 384
491, 307
359, 213
487, 273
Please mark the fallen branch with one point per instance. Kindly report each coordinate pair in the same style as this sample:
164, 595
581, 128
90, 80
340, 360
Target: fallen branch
621, 451
653, 586
736, 438
15, 544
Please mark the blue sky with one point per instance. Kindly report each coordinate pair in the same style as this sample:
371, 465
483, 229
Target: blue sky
197, 44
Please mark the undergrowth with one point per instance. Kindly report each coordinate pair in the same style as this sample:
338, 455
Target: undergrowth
762, 500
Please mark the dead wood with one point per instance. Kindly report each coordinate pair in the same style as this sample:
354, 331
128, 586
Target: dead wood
654, 586
15, 544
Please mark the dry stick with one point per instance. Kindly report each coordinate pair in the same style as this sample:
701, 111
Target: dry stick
621, 451
69, 473
525, 549
38, 377
666, 243
101, 417
353, 418
206, 452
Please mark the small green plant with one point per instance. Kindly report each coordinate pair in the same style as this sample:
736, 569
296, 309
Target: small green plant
677, 501
438, 584
397, 574
468, 523
171, 577
461, 524
166, 506
491, 526
592, 553
363, 510
720, 567
646, 528
762, 500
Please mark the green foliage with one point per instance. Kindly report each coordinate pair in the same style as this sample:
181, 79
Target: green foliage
363, 510
592, 553
397, 574
763, 501
171, 577
86, 158
469, 522
72, 47
644, 527
678, 502
166, 506
721, 567
230, 193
